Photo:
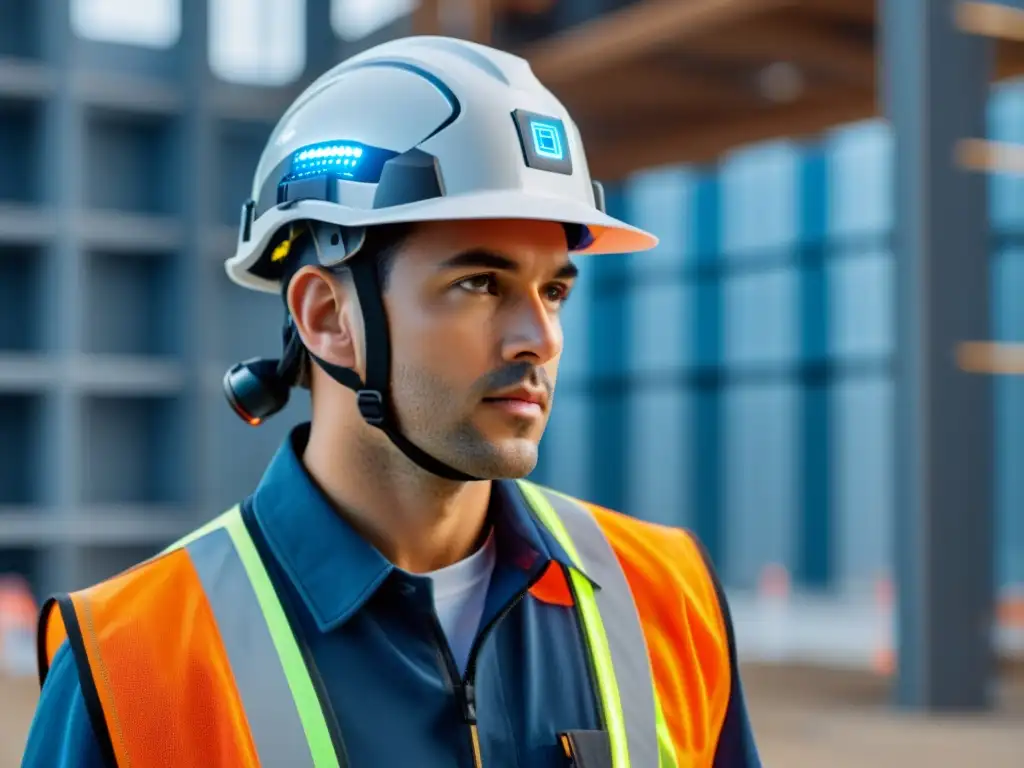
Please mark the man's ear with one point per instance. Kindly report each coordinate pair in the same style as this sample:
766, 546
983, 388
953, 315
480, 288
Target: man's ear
325, 310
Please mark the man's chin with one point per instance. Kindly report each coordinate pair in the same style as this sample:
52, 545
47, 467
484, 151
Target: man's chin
511, 459
504, 428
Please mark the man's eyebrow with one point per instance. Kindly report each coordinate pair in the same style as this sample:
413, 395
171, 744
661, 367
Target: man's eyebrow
481, 258
567, 271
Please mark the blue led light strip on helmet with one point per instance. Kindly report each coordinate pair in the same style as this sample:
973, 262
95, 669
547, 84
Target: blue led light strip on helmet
339, 158
345, 159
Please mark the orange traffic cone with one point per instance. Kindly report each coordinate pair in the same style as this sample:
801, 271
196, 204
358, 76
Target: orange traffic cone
883, 660
18, 612
773, 592
1010, 611
1010, 621
774, 582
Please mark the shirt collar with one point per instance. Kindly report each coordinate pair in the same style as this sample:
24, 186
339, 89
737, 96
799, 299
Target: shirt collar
333, 568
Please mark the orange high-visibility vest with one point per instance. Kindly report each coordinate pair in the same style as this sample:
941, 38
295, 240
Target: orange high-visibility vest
190, 658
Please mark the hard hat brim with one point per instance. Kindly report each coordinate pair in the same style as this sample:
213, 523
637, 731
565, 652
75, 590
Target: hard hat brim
609, 235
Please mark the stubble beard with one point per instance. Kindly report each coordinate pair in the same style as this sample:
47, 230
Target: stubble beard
429, 417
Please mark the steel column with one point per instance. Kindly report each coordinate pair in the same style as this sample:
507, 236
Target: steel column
62, 169
708, 394
815, 560
197, 142
935, 87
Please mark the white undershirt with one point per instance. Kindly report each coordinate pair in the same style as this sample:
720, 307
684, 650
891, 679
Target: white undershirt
460, 591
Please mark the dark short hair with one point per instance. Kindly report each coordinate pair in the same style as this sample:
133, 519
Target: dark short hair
382, 244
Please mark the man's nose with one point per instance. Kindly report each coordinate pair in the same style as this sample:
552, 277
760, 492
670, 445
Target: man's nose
532, 333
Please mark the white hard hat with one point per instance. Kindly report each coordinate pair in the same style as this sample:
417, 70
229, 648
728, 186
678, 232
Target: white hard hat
424, 129
417, 129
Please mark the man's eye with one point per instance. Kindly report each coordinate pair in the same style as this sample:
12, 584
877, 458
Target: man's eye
478, 284
557, 293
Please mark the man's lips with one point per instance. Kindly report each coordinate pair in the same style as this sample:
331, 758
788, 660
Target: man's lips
515, 407
523, 402
522, 394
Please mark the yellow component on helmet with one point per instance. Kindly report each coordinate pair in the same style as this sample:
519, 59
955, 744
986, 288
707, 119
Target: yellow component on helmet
281, 251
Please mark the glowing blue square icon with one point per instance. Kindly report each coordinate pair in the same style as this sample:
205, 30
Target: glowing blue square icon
546, 140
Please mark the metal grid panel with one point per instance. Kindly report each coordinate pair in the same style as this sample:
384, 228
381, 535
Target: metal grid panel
121, 171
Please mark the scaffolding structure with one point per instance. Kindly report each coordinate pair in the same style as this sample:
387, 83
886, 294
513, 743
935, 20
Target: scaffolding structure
122, 172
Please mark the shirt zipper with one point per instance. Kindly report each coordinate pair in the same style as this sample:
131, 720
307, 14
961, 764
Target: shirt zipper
465, 687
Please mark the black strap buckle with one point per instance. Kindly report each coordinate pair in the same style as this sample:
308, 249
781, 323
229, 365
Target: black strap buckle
371, 406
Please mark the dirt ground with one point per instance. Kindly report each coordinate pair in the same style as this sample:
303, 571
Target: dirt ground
806, 718
803, 718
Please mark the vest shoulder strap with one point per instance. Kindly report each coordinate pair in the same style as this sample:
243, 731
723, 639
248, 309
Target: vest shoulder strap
656, 591
176, 658
52, 632
685, 619
612, 629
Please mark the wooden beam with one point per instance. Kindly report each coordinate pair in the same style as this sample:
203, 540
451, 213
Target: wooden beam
860, 11
1009, 61
991, 20
613, 39
810, 45
648, 88
613, 160
524, 7
990, 156
992, 357
475, 17
426, 19
483, 20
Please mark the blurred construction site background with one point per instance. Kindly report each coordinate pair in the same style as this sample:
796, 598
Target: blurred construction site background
817, 370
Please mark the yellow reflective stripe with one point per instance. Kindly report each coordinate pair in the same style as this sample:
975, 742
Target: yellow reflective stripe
270, 710
321, 746
593, 626
218, 522
666, 749
307, 703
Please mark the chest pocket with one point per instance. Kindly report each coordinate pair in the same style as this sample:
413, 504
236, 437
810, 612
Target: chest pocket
587, 749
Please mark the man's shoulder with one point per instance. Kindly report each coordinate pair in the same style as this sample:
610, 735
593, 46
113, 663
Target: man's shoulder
134, 606
156, 564
636, 539
623, 528
681, 606
161, 577
660, 561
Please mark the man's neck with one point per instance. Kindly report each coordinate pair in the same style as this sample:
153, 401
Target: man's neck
418, 521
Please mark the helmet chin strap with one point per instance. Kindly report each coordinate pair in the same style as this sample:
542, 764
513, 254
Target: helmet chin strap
375, 410
373, 397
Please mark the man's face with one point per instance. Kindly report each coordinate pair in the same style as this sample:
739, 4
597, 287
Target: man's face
474, 317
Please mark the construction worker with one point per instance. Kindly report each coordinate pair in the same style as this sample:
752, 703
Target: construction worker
393, 593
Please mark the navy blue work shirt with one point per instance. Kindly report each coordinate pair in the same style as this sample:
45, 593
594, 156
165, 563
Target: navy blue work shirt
374, 640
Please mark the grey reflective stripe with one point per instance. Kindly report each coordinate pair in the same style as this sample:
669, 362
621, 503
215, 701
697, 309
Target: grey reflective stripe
622, 627
269, 705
